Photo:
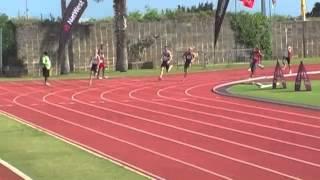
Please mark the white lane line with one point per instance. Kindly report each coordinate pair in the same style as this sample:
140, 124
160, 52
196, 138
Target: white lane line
235, 119
116, 139
14, 170
81, 146
126, 126
215, 89
251, 114
15, 100
217, 126
89, 149
196, 133
261, 109
232, 110
172, 140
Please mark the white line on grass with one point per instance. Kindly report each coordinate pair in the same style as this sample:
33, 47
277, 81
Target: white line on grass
76, 144
13, 169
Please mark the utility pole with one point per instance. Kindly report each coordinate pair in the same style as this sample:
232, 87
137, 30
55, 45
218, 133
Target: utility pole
270, 8
27, 10
303, 15
303, 10
263, 7
235, 13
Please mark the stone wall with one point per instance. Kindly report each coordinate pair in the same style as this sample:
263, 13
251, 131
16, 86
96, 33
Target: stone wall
296, 34
33, 39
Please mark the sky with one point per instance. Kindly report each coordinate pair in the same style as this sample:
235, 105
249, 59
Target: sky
44, 8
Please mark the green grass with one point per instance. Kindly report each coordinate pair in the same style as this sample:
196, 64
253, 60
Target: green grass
131, 73
284, 95
155, 72
41, 156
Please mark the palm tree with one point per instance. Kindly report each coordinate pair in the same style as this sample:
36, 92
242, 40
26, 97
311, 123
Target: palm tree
64, 53
120, 24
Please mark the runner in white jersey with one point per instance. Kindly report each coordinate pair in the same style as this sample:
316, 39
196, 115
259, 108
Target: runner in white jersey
165, 61
94, 61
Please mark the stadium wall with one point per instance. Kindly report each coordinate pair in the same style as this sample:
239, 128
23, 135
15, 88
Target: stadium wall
146, 39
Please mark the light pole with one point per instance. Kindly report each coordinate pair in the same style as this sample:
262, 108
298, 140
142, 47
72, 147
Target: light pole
263, 7
27, 10
235, 13
303, 15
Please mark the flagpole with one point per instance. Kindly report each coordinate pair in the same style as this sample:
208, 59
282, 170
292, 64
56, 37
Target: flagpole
263, 7
303, 10
270, 7
271, 23
303, 14
235, 14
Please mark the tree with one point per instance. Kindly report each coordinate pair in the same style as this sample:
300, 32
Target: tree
151, 14
64, 56
120, 24
315, 12
135, 16
252, 30
8, 39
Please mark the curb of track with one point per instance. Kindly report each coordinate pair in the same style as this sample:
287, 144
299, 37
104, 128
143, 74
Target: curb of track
222, 89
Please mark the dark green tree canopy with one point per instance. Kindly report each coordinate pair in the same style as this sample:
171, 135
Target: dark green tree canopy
252, 30
8, 39
315, 12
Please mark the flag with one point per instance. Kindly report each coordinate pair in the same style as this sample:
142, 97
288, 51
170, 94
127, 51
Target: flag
220, 12
248, 3
71, 16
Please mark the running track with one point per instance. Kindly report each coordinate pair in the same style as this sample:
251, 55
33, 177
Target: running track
7, 174
175, 129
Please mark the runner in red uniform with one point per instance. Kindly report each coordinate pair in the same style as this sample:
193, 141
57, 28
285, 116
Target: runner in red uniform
102, 66
288, 59
256, 59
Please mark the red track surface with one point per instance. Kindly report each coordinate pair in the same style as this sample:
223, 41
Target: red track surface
174, 129
7, 174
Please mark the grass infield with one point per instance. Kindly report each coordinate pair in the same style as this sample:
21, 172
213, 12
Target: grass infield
283, 95
41, 156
